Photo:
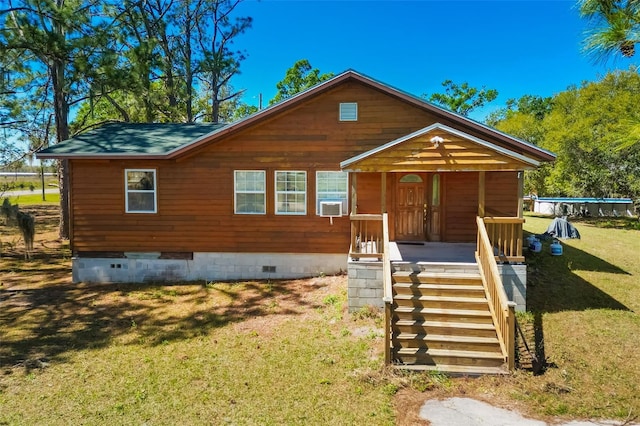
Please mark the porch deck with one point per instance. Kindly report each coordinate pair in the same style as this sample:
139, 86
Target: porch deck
432, 252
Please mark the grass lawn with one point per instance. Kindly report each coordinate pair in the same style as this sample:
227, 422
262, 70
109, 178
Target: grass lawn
34, 199
287, 352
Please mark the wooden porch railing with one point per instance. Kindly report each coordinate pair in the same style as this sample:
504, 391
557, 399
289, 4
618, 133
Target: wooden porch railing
505, 235
366, 236
502, 310
386, 284
370, 239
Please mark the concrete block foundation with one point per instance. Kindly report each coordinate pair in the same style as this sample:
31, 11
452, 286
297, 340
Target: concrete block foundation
141, 267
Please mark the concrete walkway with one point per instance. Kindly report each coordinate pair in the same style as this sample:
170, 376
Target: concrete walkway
470, 412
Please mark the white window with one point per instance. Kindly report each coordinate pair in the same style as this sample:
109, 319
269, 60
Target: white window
332, 186
249, 192
291, 192
140, 191
349, 111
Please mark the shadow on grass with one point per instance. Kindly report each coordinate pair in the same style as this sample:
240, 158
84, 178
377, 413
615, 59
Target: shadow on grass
552, 286
44, 323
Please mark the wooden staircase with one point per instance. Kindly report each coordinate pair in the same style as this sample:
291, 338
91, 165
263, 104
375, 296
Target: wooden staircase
440, 320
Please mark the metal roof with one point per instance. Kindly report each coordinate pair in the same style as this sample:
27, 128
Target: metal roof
585, 200
172, 140
130, 139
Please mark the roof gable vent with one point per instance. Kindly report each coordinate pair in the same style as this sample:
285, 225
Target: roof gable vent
349, 111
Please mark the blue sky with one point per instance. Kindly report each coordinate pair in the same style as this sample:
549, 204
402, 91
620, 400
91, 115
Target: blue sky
516, 47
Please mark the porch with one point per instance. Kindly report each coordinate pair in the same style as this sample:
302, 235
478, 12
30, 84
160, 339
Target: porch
448, 306
419, 251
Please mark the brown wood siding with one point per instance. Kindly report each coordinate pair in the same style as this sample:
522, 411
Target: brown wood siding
195, 194
460, 204
369, 193
501, 197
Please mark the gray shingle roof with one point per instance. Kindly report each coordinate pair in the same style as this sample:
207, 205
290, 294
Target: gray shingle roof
130, 139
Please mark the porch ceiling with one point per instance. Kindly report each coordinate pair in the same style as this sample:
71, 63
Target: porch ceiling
438, 148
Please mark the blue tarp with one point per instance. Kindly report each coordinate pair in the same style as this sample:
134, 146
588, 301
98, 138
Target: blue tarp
561, 228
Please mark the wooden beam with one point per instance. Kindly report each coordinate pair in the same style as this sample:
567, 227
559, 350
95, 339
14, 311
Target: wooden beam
383, 195
354, 193
481, 193
520, 193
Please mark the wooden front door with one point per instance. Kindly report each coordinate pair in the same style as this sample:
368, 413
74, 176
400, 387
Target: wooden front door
410, 207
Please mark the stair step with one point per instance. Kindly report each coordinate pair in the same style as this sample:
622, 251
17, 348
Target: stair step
445, 338
415, 316
440, 298
436, 277
420, 286
438, 357
442, 341
445, 324
443, 312
449, 328
460, 290
448, 277
452, 353
465, 370
440, 302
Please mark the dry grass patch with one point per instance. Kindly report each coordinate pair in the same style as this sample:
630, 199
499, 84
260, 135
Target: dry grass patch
279, 352
287, 352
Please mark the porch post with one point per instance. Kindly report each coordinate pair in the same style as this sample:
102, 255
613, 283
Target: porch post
520, 193
481, 193
354, 194
383, 195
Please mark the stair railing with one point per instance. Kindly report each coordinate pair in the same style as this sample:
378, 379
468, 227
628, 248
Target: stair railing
505, 235
388, 292
502, 310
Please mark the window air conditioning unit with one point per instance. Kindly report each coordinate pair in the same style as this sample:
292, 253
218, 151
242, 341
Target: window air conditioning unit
330, 208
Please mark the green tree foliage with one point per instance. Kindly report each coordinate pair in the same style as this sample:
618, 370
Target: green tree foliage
615, 27
299, 77
177, 63
131, 61
594, 129
462, 98
57, 49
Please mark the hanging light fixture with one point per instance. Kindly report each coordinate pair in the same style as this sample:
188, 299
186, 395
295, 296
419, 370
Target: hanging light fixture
436, 140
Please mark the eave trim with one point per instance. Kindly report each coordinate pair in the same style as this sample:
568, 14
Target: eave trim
447, 129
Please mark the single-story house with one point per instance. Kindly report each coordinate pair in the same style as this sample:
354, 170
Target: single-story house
349, 175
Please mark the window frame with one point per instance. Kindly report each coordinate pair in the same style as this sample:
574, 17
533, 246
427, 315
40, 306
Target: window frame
345, 201
264, 192
277, 192
341, 112
127, 191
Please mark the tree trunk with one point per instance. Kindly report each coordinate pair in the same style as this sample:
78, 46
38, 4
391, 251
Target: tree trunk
187, 63
215, 103
61, 114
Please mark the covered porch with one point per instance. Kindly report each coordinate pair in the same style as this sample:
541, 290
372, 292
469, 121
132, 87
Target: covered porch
432, 252
437, 240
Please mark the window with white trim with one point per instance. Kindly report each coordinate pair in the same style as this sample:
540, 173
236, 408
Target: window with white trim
291, 192
249, 192
332, 186
348, 111
140, 191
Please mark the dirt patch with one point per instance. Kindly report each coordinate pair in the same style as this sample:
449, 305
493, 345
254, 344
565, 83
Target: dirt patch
407, 405
287, 299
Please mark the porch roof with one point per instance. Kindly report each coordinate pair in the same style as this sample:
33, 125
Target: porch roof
438, 148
